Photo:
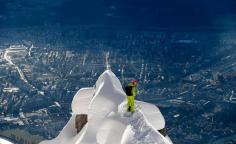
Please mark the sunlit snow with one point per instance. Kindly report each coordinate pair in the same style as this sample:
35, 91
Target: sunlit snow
108, 121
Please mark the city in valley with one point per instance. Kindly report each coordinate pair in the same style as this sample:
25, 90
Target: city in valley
190, 76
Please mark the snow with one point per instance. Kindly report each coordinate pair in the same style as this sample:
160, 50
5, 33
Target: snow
81, 100
4, 141
111, 130
152, 114
108, 121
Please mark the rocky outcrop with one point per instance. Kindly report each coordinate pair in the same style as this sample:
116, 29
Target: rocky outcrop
80, 121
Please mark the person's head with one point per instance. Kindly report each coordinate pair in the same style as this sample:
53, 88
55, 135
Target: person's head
134, 82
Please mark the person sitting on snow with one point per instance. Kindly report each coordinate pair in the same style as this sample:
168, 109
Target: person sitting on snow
131, 92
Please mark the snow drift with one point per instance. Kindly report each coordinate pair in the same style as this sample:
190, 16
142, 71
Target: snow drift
108, 123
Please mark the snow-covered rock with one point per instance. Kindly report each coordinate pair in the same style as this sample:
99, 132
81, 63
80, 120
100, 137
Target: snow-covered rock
5, 141
108, 122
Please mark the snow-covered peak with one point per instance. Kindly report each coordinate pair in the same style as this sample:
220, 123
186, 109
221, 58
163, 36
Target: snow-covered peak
109, 79
108, 121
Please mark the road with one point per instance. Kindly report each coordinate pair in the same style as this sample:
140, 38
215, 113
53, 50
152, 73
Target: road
16, 49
